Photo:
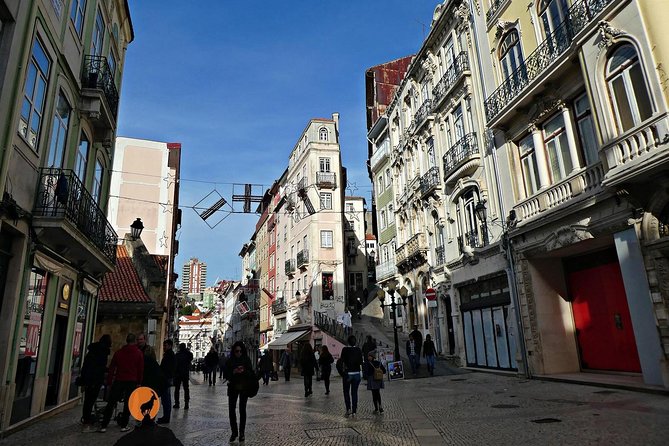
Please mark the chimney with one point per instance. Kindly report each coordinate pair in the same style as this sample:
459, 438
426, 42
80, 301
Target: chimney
335, 118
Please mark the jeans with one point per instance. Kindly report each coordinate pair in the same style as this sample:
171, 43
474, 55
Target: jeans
178, 381
232, 413
413, 361
430, 363
90, 395
120, 389
351, 383
166, 400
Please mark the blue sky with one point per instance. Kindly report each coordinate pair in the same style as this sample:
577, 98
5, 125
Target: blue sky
236, 83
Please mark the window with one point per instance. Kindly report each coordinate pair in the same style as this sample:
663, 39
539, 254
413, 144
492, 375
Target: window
98, 35
97, 182
391, 215
381, 186
468, 223
388, 178
528, 162
552, 14
34, 91
61, 122
306, 284
586, 129
77, 15
326, 239
324, 164
304, 242
458, 123
323, 134
81, 159
111, 60
627, 88
326, 200
511, 57
557, 148
448, 53
349, 207
327, 286
382, 218
271, 261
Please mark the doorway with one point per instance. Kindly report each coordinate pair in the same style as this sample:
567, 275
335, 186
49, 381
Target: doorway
56, 360
601, 316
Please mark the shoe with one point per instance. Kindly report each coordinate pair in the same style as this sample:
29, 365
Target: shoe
241, 438
214, 384
348, 412
233, 437
176, 406
186, 406
102, 430
162, 420
327, 392
352, 414
376, 410
125, 429
381, 409
88, 428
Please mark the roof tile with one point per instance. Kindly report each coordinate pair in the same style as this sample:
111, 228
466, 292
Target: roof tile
123, 285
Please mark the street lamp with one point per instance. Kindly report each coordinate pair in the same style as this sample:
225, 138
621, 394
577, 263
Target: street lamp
392, 288
136, 229
481, 213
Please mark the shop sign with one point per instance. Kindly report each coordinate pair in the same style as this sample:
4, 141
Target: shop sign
32, 333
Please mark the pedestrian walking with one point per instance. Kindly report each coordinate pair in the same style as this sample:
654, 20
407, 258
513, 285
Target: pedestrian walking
325, 361
222, 357
358, 307
317, 354
418, 339
429, 352
309, 365
238, 372
413, 352
168, 365
210, 364
266, 367
346, 321
126, 371
368, 346
92, 377
374, 372
286, 362
349, 367
182, 375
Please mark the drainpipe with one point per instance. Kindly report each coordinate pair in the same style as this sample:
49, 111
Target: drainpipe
508, 249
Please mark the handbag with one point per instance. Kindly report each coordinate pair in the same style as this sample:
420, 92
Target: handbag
251, 384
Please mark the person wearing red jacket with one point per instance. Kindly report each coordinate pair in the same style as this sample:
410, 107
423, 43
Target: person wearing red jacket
125, 374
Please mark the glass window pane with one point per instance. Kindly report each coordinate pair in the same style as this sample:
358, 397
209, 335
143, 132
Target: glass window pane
554, 125
38, 99
40, 57
566, 156
582, 105
620, 56
30, 80
622, 103
553, 160
640, 92
25, 110
586, 133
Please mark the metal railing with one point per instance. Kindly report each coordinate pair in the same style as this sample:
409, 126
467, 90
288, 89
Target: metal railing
386, 270
440, 255
289, 267
302, 184
335, 329
429, 181
494, 9
578, 16
302, 258
421, 114
450, 77
279, 307
459, 152
326, 178
470, 239
62, 195
97, 74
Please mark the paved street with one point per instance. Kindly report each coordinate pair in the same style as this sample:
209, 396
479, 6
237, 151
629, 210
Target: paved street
466, 409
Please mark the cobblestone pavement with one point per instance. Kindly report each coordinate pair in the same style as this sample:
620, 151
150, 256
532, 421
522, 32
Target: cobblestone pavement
468, 409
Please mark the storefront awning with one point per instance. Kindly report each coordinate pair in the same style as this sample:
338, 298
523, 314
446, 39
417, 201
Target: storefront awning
287, 338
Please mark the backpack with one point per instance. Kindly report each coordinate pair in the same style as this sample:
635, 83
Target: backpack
378, 374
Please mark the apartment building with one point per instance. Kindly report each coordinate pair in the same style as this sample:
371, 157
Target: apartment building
61, 66
355, 250
193, 277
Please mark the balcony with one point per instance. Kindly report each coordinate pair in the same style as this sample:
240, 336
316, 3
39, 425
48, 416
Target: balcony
421, 115
495, 7
279, 307
303, 258
412, 254
68, 220
99, 94
638, 151
578, 186
468, 241
290, 267
439, 255
430, 181
381, 153
386, 270
464, 150
302, 184
326, 180
450, 78
580, 14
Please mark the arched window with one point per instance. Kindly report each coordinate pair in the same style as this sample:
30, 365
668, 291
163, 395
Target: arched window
323, 134
468, 225
552, 13
510, 55
627, 88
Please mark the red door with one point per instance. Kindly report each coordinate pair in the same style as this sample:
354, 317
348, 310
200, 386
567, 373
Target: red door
603, 323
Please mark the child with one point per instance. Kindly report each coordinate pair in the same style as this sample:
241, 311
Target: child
374, 372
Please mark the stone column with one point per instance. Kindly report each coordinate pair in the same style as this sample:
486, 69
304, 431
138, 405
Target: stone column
571, 137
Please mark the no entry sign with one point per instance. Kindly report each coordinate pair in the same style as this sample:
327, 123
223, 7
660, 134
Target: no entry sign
430, 294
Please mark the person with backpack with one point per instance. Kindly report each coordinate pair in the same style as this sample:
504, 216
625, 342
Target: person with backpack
92, 377
241, 378
374, 372
349, 366
325, 361
184, 357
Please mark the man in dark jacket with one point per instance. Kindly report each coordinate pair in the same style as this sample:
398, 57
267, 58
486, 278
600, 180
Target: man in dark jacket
148, 433
92, 377
168, 366
211, 362
126, 370
183, 359
418, 339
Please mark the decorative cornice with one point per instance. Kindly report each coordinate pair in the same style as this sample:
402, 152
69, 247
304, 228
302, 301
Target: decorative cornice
607, 34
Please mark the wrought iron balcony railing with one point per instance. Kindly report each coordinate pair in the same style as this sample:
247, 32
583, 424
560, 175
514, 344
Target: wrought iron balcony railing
302, 258
326, 179
429, 181
62, 195
495, 6
289, 267
439, 255
421, 115
578, 16
97, 74
302, 184
470, 239
279, 307
450, 78
462, 150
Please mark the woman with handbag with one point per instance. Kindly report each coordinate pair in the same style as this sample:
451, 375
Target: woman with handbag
241, 380
374, 372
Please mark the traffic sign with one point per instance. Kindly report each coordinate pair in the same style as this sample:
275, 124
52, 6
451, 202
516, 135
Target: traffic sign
430, 294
